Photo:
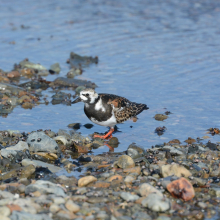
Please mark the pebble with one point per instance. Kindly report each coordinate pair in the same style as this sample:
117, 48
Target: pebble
27, 216
146, 189
174, 169
71, 206
125, 161
54, 208
39, 141
134, 151
37, 163
129, 197
44, 186
84, 181
4, 211
156, 203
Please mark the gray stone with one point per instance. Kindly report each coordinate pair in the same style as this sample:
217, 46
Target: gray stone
21, 145
39, 141
45, 187
58, 200
6, 195
55, 67
6, 153
174, 151
4, 211
124, 218
145, 189
141, 216
54, 208
163, 218
36, 163
129, 197
134, 151
27, 216
156, 203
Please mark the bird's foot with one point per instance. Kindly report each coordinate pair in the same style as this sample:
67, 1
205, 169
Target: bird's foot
107, 136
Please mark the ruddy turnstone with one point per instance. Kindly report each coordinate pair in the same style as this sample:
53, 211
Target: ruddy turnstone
107, 109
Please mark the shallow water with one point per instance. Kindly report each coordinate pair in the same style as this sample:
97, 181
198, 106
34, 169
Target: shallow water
164, 54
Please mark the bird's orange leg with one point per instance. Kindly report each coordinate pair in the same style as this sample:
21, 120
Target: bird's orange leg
107, 136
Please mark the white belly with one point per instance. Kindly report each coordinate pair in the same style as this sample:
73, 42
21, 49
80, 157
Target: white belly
111, 122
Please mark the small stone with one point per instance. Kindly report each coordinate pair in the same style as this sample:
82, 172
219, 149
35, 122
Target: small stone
136, 170
181, 188
13, 74
129, 179
5, 211
14, 207
156, 203
174, 169
59, 200
134, 151
125, 161
54, 208
71, 206
129, 197
146, 189
115, 177
84, 181
101, 185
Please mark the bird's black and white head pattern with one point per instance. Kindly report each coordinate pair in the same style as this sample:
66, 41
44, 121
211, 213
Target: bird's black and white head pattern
88, 96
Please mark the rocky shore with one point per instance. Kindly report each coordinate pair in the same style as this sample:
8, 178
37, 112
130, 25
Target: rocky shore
47, 175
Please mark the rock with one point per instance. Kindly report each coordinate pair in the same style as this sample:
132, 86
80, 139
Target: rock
84, 181
174, 169
23, 204
7, 153
71, 206
136, 170
39, 141
54, 208
146, 189
134, 151
45, 187
141, 216
125, 161
129, 197
58, 200
115, 177
160, 117
181, 188
5, 195
27, 64
21, 172
129, 179
156, 203
13, 74
55, 68
190, 140
68, 181
21, 145
37, 163
4, 211
174, 151
27, 216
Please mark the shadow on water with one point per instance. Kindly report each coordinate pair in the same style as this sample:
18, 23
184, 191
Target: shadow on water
164, 54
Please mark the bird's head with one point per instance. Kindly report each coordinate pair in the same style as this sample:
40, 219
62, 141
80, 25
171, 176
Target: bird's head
87, 96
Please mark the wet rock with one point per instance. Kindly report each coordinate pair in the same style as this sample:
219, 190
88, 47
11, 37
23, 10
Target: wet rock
211, 146
55, 68
129, 197
174, 141
174, 169
160, 130
22, 172
46, 156
193, 149
181, 188
156, 203
174, 151
125, 161
45, 187
78, 61
26, 64
74, 72
134, 151
74, 83
39, 141
71, 206
37, 163
141, 216
146, 189
160, 117
190, 140
13, 74
27, 216
84, 181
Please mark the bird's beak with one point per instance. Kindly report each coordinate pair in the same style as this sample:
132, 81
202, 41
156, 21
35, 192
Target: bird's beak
77, 100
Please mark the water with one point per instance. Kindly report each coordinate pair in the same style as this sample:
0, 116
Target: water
162, 53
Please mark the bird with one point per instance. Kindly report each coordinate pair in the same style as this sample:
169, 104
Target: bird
108, 109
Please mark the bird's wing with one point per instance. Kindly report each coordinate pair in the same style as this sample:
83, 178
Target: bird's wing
123, 108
